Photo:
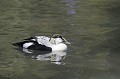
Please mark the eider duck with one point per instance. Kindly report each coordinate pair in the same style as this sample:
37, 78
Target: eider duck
43, 43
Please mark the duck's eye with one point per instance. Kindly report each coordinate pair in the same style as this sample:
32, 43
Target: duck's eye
60, 36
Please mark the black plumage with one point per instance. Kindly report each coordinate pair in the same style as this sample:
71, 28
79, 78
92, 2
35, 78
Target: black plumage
34, 46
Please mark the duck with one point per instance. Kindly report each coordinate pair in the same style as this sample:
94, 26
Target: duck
43, 43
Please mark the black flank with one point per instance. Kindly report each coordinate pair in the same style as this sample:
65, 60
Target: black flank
40, 47
20, 44
35, 46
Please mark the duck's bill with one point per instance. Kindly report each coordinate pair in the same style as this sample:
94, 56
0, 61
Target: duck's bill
67, 42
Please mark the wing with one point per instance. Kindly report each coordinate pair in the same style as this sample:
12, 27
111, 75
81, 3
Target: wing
43, 40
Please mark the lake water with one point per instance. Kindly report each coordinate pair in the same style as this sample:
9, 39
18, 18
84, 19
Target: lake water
91, 26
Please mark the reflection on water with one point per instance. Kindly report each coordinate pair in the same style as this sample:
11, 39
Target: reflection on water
71, 6
55, 57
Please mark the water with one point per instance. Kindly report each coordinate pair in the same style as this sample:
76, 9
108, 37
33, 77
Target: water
91, 26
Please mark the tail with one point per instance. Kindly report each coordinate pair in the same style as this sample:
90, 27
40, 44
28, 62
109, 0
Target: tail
14, 44
31, 38
19, 44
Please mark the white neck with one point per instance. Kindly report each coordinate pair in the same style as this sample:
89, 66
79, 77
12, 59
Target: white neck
52, 40
56, 40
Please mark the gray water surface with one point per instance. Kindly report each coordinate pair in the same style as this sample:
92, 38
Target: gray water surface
91, 26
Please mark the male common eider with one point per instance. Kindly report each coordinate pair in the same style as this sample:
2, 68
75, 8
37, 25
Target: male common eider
43, 43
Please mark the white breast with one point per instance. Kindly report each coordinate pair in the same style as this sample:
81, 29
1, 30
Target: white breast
59, 47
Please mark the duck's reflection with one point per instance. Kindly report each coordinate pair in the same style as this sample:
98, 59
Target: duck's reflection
55, 57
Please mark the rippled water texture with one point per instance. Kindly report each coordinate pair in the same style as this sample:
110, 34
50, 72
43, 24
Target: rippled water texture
91, 26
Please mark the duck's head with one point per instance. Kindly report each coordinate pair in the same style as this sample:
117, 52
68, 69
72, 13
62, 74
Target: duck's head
57, 39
